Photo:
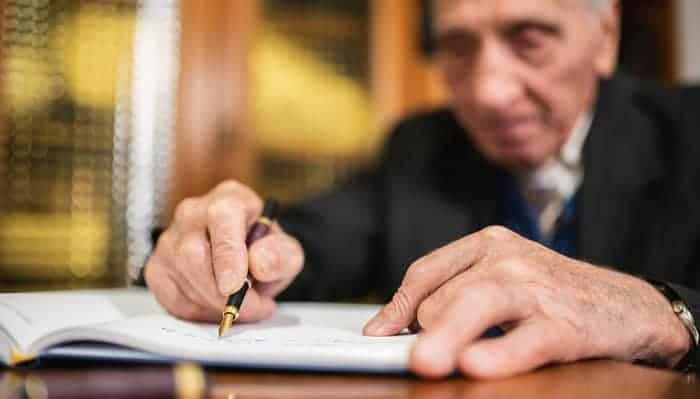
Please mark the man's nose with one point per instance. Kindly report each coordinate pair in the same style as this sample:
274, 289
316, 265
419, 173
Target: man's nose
496, 84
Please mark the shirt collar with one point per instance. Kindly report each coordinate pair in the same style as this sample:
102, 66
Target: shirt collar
571, 152
564, 173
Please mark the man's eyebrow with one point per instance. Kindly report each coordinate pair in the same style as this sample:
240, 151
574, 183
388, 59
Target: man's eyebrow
546, 26
508, 26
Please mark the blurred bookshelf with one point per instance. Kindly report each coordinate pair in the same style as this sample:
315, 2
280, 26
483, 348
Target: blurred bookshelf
310, 95
67, 141
316, 84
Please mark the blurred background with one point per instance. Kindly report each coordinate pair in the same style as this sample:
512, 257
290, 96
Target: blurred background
112, 111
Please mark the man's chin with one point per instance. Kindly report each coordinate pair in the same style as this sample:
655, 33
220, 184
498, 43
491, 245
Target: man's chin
520, 162
518, 158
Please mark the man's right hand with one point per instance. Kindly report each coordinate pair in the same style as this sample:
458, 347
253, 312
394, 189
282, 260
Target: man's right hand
202, 257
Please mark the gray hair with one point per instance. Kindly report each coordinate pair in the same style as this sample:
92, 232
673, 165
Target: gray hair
596, 5
599, 5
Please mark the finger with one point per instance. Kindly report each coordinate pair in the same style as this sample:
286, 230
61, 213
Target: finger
190, 215
233, 191
527, 347
256, 307
193, 264
240, 191
430, 309
173, 299
274, 261
478, 307
422, 278
169, 258
188, 291
227, 221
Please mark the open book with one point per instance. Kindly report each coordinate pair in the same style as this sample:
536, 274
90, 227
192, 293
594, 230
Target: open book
300, 336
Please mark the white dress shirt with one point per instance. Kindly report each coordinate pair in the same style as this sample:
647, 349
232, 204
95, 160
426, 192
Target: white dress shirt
549, 187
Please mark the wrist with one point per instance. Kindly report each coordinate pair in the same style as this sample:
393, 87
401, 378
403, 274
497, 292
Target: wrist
674, 337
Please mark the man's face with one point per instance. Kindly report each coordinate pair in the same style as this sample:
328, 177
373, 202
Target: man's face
521, 72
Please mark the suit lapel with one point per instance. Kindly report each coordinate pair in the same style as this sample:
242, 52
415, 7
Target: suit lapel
456, 195
467, 187
621, 164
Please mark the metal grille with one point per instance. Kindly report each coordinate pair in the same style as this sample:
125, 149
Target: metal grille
68, 78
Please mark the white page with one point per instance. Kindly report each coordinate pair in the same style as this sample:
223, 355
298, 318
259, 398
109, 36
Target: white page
299, 335
29, 316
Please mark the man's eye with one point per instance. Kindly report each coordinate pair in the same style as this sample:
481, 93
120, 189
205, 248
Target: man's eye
529, 39
531, 42
455, 47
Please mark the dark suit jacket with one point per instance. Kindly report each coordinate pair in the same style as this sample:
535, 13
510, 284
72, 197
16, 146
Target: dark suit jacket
639, 204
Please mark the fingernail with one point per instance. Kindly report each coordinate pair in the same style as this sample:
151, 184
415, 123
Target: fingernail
227, 281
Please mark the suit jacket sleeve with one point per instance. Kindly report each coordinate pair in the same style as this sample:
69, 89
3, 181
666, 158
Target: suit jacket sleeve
339, 233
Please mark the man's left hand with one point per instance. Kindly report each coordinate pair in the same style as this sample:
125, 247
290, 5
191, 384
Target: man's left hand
552, 308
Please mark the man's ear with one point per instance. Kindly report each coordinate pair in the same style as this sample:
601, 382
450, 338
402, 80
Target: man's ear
606, 56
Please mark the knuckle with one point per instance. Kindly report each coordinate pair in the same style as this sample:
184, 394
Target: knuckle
418, 271
222, 207
227, 186
495, 233
231, 186
186, 209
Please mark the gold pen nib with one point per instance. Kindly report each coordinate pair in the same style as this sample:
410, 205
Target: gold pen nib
229, 315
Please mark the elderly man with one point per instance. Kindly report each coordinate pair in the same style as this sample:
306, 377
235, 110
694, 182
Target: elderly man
592, 180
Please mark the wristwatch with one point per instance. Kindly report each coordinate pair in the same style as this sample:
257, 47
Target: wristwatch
687, 364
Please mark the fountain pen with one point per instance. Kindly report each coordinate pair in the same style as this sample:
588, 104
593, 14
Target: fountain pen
258, 230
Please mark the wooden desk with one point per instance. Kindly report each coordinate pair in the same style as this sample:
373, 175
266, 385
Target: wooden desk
595, 379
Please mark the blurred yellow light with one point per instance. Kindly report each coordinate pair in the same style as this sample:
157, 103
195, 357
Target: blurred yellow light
303, 107
27, 82
54, 245
95, 46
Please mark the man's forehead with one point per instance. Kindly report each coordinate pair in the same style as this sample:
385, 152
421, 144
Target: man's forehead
511, 4
457, 12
